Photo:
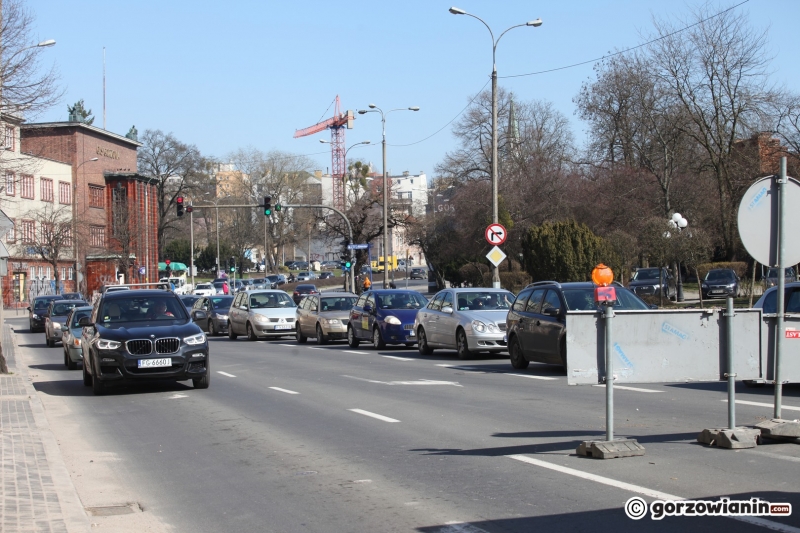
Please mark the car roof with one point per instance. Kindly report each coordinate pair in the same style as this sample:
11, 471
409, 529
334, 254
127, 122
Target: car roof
477, 289
139, 293
64, 301
567, 285
81, 308
393, 291
337, 294
259, 291
49, 297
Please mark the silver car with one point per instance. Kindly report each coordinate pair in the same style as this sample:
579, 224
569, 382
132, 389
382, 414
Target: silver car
324, 316
261, 313
467, 320
71, 336
55, 323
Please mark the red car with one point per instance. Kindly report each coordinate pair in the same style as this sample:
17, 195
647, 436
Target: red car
301, 290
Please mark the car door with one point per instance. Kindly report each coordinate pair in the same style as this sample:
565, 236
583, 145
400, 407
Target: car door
368, 317
308, 314
238, 315
527, 324
548, 327
447, 323
429, 316
356, 315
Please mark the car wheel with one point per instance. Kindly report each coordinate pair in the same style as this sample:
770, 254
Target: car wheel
87, 377
98, 387
298, 335
377, 340
251, 335
212, 330
564, 355
352, 341
203, 382
231, 335
71, 365
518, 361
424, 349
462, 345
321, 337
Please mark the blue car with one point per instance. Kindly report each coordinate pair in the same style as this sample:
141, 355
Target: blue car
384, 316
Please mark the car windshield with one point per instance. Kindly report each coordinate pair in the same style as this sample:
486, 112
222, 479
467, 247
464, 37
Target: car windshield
340, 303
773, 273
42, 304
720, 275
142, 309
270, 300
583, 300
63, 309
222, 302
77, 315
273, 278
203, 285
484, 301
401, 300
646, 274
791, 301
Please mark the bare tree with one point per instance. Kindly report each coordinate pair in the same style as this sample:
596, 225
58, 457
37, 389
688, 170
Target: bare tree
52, 237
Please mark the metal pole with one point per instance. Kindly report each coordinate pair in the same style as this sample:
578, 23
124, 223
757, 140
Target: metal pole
729, 314
216, 208
779, 332
191, 245
385, 208
609, 315
495, 214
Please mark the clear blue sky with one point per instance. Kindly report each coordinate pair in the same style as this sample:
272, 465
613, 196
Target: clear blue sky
228, 75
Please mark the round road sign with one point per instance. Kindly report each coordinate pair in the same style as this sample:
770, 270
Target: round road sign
496, 234
758, 221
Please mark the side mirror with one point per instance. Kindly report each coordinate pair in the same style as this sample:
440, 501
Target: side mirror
200, 315
448, 310
552, 311
29, 308
85, 321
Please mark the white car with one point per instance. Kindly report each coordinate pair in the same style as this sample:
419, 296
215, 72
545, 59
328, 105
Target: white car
305, 276
204, 289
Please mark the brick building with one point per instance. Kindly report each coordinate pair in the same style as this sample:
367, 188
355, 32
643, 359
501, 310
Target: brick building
115, 213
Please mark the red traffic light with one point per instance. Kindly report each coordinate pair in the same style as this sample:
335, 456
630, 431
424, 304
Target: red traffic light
189, 208
167, 261
179, 199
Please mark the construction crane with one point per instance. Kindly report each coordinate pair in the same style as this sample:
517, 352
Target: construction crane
336, 124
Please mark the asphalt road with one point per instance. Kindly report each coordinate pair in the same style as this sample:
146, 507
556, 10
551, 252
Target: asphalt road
327, 439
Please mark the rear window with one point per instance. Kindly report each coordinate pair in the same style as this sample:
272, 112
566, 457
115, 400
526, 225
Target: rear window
402, 300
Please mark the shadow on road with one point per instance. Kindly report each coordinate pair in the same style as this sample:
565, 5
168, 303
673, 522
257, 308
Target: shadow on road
75, 387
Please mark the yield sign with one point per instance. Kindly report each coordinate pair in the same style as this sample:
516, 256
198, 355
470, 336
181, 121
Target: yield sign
496, 234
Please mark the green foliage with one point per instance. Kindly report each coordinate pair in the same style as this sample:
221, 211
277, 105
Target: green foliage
740, 267
513, 281
178, 251
474, 274
565, 251
79, 113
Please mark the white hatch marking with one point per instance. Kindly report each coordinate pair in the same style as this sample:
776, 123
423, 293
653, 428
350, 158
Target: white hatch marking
225, 374
397, 358
531, 376
284, 390
625, 387
460, 527
416, 382
373, 415
760, 404
658, 495
479, 370
312, 348
288, 345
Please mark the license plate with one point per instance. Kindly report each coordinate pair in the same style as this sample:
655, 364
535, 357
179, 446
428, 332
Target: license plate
155, 363
283, 326
716, 292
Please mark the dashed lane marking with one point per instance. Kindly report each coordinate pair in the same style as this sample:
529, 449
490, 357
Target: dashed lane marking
397, 358
417, 382
359, 353
287, 391
225, 374
373, 415
625, 387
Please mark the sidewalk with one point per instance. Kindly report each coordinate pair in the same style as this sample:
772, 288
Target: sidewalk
36, 492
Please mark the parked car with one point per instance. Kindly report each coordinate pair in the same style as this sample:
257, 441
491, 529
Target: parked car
204, 289
37, 313
56, 319
418, 273
189, 300
306, 276
720, 283
384, 316
536, 325
299, 265
330, 265
651, 281
771, 279
768, 302
277, 280
72, 296
466, 320
146, 334
301, 290
71, 336
221, 287
326, 275
216, 310
261, 283
324, 317
261, 313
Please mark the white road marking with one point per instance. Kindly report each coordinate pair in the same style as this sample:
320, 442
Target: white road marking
530, 376
479, 370
625, 387
359, 353
373, 415
284, 390
289, 345
225, 374
417, 382
398, 358
460, 527
176, 396
775, 455
312, 348
760, 404
656, 494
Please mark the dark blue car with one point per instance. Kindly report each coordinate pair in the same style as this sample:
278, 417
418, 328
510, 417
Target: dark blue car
384, 317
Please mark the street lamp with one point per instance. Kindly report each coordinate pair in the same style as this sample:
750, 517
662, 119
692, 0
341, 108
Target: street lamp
375, 109
345, 154
678, 222
495, 216
216, 215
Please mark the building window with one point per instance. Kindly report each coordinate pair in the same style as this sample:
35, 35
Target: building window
26, 187
97, 236
96, 196
63, 273
41, 273
8, 142
68, 237
119, 212
33, 272
64, 190
28, 228
47, 273
47, 189
11, 183
69, 274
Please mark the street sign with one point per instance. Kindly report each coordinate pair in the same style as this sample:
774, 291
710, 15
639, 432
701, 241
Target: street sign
357, 246
142, 270
758, 221
496, 234
496, 256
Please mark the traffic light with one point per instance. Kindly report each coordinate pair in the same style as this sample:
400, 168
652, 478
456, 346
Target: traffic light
267, 205
169, 268
189, 208
179, 204
232, 264
277, 207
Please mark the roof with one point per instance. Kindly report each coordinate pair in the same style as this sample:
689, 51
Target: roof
95, 129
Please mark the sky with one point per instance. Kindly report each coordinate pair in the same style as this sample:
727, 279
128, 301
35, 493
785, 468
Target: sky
247, 73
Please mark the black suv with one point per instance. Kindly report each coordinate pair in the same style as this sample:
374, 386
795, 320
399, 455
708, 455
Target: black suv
647, 281
536, 325
39, 311
720, 283
142, 335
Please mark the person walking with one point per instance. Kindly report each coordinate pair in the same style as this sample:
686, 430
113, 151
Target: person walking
367, 283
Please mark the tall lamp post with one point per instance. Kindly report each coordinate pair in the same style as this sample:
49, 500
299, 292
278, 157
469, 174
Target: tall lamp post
216, 216
677, 221
323, 141
375, 109
495, 215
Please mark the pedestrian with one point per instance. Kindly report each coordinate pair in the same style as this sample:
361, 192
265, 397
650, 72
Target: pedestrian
367, 283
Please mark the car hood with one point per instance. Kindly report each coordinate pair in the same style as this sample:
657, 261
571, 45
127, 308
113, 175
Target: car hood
406, 316
125, 331
341, 315
276, 312
493, 316
643, 282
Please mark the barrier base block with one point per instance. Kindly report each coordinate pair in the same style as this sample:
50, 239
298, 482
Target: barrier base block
733, 439
778, 428
610, 449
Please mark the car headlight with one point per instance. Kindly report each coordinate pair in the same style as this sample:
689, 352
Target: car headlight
703, 285
200, 338
104, 344
261, 319
393, 320
222, 317
35, 316
480, 327
331, 321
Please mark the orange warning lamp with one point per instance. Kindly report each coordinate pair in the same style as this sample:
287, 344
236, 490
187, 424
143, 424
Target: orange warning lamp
603, 276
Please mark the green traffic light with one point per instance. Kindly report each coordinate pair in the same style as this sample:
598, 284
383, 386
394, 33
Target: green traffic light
277, 207
348, 264
267, 212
